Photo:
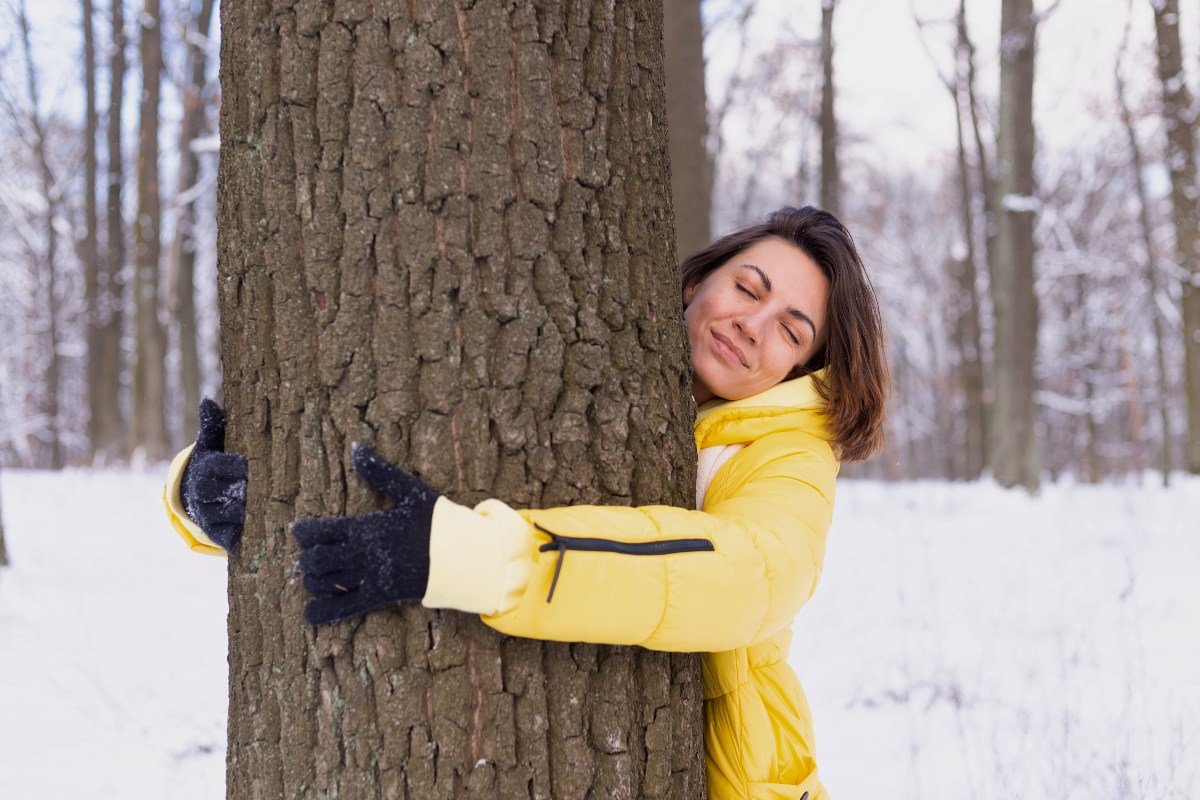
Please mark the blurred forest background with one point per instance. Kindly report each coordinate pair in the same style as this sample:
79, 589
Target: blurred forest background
1035, 256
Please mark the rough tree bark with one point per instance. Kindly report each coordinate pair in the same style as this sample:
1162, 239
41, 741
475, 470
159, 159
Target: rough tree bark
89, 249
687, 116
149, 368
109, 433
1138, 164
183, 250
831, 190
1181, 162
1016, 458
449, 236
48, 277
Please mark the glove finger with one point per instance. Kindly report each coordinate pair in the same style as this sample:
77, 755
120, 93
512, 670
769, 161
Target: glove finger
322, 559
222, 512
223, 466
212, 426
225, 535
205, 489
323, 530
380, 474
332, 584
341, 606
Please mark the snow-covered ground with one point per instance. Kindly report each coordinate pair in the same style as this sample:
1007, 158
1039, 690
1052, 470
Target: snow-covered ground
966, 642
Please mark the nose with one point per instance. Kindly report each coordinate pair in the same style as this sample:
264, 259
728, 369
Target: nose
748, 328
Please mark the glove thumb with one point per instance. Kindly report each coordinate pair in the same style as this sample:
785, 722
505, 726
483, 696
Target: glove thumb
212, 427
379, 474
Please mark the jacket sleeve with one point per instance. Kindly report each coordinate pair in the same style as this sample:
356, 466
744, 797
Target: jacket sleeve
191, 533
657, 576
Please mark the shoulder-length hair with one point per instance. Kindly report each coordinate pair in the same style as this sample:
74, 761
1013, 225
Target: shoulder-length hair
857, 380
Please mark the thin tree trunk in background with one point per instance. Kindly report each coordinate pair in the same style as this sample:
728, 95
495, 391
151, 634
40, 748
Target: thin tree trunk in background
831, 192
109, 435
968, 325
90, 250
1016, 458
1133, 398
452, 241
1181, 162
987, 179
4, 562
687, 121
183, 251
1084, 368
1137, 163
51, 199
149, 370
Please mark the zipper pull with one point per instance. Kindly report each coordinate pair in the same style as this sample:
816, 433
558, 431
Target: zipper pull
557, 542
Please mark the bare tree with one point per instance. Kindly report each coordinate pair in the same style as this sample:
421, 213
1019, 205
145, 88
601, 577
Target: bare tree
968, 325
89, 249
149, 371
1137, 164
830, 175
687, 120
1180, 117
107, 428
183, 252
4, 562
964, 306
46, 265
447, 231
1014, 448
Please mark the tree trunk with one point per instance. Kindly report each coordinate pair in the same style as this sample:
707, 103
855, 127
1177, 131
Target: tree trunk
90, 250
831, 198
149, 370
4, 562
687, 121
1016, 459
183, 251
50, 197
967, 324
987, 179
1150, 268
449, 237
1181, 162
109, 434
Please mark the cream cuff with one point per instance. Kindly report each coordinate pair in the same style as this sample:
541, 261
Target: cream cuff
479, 559
191, 533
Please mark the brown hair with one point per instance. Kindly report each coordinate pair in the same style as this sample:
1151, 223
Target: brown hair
857, 382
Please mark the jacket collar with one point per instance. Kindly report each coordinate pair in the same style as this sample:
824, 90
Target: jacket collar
789, 405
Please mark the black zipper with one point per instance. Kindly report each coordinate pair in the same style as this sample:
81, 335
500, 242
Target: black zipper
661, 547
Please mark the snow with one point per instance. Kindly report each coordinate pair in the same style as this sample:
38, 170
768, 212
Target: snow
112, 683
965, 641
1020, 203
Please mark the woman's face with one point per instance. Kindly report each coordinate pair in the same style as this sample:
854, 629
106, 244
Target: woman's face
754, 319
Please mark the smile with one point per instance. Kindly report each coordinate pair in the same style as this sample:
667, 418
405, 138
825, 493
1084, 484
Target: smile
727, 350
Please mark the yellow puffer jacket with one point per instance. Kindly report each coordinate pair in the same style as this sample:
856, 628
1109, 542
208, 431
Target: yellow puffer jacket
725, 580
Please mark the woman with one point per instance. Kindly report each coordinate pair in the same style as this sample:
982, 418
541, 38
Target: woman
791, 379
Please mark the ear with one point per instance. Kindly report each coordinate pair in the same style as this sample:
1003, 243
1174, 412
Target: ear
688, 294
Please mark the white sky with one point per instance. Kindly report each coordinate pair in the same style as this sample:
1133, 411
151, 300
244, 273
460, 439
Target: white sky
888, 92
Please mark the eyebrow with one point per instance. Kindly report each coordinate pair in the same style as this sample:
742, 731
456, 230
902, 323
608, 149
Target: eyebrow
795, 312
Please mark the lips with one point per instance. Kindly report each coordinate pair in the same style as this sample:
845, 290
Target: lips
732, 347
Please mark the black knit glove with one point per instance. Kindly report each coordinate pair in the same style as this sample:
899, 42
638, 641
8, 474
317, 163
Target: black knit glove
356, 564
213, 488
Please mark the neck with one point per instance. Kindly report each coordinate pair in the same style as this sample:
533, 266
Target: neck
700, 392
